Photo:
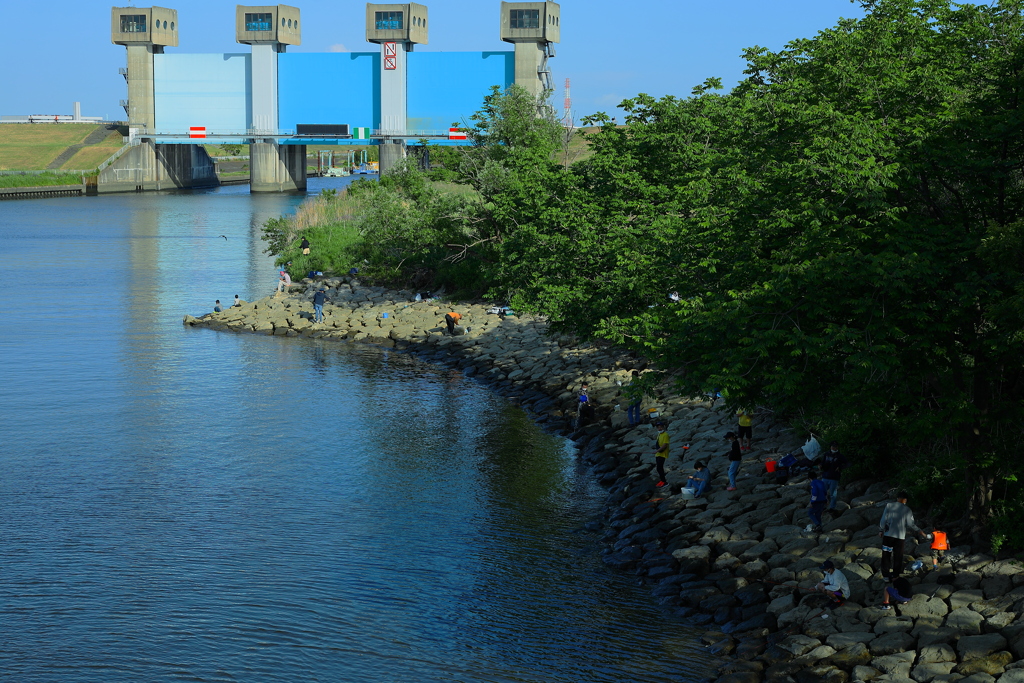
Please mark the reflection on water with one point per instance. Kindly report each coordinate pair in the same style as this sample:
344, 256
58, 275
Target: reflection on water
182, 504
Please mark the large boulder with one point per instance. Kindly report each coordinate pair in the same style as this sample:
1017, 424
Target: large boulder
965, 620
975, 647
693, 560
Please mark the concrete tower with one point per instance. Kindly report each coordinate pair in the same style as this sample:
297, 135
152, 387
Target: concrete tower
269, 29
397, 28
533, 27
145, 31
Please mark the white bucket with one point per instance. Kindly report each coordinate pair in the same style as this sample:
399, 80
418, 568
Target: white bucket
687, 493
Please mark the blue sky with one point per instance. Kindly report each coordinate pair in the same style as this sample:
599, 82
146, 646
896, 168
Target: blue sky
56, 53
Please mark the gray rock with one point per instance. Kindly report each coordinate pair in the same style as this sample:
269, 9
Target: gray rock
891, 643
895, 665
923, 606
862, 674
965, 620
693, 560
894, 625
799, 645
923, 673
1000, 584
759, 551
993, 665
848, 638
963, 598
974, 647
940, 652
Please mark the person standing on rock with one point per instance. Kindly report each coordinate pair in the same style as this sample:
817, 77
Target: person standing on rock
818, 494
835, 584
746, 427
832, 464
661, 452
451, 320
633, 409
735, 456
896, 519
318, 305
304, 246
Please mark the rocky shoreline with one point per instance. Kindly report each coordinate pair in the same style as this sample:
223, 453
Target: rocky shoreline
737, 562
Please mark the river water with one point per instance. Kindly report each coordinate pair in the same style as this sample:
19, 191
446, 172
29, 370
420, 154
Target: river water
186, 505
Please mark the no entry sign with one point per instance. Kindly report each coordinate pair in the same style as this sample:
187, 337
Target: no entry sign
197, 131
456, 134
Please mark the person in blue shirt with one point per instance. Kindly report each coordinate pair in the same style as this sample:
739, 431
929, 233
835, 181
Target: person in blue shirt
698, 481
819, 492
318, 305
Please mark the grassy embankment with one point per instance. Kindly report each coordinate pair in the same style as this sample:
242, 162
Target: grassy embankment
33, 147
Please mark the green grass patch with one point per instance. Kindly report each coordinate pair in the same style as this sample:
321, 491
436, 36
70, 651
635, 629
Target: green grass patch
31, 146
40, 180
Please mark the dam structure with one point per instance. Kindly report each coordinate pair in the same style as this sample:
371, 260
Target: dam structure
279, 102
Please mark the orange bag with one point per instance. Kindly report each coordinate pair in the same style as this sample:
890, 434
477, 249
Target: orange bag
939, 541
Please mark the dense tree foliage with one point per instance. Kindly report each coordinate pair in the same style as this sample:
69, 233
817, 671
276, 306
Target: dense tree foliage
844, 230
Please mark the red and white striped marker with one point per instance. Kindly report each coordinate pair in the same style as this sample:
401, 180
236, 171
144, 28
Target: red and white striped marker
197, 131
456, 134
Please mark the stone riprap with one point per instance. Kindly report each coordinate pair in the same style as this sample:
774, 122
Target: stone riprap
739, 562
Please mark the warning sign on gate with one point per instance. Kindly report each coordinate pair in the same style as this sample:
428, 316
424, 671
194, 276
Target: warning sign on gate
390, 63
197, 131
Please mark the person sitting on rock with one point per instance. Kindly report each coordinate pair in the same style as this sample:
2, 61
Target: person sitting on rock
284, 282
834, 584
899, 592
216, 306
699, 480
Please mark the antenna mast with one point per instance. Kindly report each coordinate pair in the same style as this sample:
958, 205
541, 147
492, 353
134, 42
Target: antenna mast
567, 114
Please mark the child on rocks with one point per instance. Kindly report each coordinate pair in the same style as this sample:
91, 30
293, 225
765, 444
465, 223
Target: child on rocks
735, 456
661, 452
818, 494
698, 481
834, 584
899, 592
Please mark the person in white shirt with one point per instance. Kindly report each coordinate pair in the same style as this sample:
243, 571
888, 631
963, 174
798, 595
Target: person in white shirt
834, 584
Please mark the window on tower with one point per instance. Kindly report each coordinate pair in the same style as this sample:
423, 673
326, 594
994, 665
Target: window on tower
259, 21
389, 21
524, 18
133, 23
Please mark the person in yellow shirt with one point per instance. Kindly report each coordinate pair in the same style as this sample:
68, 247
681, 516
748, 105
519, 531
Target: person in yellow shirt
746, 431
661, 453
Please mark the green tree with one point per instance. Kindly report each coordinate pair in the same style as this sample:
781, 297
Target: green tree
844, 230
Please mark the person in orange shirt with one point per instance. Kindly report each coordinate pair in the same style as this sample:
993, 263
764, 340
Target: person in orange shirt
452, 319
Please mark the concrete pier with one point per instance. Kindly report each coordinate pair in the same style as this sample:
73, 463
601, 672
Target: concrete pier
277, 168
159, 167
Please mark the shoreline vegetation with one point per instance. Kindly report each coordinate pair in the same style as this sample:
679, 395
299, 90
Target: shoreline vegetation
741, 563
840, 237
